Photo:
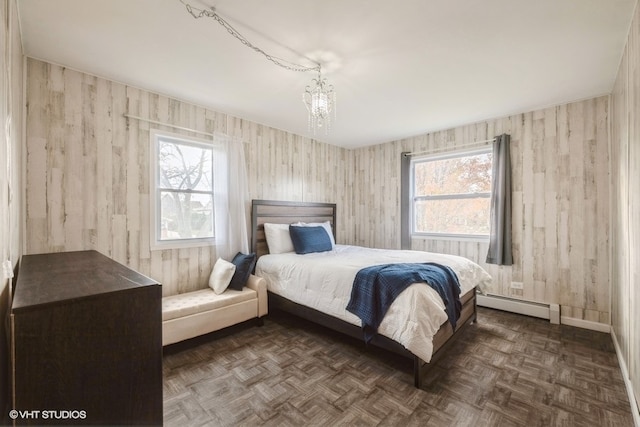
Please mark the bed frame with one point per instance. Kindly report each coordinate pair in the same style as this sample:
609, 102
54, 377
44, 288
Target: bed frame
281, 212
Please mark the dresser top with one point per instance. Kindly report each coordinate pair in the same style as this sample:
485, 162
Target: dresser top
66, 276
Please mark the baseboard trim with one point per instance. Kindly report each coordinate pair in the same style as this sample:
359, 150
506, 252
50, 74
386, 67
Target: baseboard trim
585, 324
635, 406
528, 308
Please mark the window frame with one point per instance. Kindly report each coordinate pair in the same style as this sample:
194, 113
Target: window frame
156, 136
413, 198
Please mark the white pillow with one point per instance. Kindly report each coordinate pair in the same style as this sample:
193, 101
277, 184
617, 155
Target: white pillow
278, 238
221, 275
326, 225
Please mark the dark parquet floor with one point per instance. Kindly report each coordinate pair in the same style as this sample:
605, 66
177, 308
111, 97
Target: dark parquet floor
507, 370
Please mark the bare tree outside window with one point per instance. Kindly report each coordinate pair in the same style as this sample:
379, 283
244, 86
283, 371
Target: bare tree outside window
184, 190
451, 195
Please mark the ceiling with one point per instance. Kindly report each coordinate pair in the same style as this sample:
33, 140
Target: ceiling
399, 68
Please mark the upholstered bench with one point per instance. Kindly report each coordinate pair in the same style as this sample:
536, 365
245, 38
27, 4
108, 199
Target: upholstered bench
197, 313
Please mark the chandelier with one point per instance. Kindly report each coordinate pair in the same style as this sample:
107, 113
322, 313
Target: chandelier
319, 96
320, 101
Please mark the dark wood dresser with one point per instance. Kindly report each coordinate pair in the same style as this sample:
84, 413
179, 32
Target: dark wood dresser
86, 342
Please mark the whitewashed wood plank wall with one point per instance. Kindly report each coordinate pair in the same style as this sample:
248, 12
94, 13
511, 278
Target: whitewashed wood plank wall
625, 206
87, 185
11, 137
11, 134
88, 170
560, 204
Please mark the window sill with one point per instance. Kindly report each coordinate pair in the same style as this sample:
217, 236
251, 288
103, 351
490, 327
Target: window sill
166, 245
448, 237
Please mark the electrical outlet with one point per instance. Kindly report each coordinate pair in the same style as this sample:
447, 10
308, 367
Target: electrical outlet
517, 285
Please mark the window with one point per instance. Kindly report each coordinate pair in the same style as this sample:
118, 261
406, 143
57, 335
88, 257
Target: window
181, 191
451, 194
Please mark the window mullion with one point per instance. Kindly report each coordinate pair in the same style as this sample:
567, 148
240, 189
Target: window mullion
186, 190
454, 196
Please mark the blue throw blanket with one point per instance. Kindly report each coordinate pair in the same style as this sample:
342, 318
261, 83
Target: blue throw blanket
376, 287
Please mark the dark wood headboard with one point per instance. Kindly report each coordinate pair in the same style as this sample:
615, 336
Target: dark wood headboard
281, 212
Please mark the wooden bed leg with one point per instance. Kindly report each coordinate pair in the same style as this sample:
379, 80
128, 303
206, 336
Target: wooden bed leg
474, 319
417, 371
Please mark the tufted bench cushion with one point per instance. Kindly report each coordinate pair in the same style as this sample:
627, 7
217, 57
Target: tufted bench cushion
199, 312
195, 302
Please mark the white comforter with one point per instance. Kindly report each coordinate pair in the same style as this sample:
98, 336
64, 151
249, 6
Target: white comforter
323, 281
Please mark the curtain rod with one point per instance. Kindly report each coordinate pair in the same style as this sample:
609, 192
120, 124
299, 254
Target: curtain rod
168, 125
435, 150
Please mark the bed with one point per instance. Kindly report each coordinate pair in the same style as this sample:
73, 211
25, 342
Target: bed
421, 335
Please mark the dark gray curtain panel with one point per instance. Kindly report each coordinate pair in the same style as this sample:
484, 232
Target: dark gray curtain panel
405, 200
500, 235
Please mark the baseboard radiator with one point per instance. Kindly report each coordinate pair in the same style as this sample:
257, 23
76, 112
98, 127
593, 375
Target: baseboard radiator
550, 312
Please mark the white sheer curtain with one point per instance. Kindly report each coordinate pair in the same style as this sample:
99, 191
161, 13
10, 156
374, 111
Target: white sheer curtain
231, 197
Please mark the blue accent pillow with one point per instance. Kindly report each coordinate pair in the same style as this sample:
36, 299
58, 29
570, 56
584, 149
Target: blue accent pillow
244, 266
309, 239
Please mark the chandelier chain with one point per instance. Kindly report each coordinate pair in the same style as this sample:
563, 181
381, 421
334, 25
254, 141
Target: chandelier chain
211, 13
